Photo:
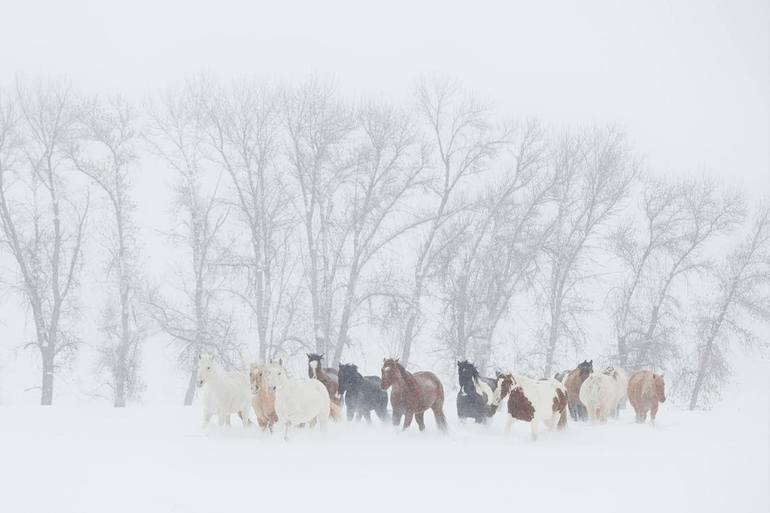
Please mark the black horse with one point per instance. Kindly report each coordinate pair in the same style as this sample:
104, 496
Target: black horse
362, 394
475, 399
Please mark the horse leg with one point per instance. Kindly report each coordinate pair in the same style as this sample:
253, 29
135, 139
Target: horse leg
653, 412
244, 418
350, 413
396, 417
508, 424
419, 417
286, 431
368, 416
533, 427
206, 419
407, 420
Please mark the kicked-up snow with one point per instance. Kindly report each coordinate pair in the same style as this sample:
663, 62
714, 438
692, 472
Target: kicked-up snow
94, 458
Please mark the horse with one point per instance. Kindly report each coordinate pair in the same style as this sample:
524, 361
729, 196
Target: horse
475, 399
224, 393
362, 394
297, 401
598, 394
412, 394
533, 401
621, 384
561, 376
572, 383
263, 400
327, 376
645, 391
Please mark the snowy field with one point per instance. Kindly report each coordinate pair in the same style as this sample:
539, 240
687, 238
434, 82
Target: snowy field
148, 458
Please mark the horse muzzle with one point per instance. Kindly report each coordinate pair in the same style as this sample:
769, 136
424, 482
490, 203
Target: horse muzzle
200, 383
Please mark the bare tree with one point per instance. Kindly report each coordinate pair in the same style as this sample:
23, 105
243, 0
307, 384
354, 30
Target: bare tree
595, 171
741, 296
108, 158
389, 163
319, 128
43, 218
465, 140
490, 254
244, 131
196, 321
680, 221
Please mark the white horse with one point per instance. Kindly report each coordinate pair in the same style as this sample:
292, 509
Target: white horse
620, 381
533, 401
224, 393
298, 400
599, 395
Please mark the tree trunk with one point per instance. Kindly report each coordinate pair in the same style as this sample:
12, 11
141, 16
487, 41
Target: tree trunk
119, 399
46, 396
190, 394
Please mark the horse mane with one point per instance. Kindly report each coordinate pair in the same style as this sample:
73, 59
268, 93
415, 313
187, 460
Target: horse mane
408, 377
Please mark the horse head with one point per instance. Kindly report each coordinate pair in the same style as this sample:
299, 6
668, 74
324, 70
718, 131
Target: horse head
660, 387
256, 377
586, 368
505, 384
313, 364
206, 368
390, 372
466, 374
274, 375
346, 376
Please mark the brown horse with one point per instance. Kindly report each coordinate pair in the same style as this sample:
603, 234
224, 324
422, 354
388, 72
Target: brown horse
645, 390
328, 377
572, 383
263, 401
412, 394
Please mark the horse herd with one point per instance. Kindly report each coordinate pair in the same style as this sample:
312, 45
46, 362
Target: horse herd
277, 399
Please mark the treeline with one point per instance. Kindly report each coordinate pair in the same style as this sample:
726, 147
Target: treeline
328, 220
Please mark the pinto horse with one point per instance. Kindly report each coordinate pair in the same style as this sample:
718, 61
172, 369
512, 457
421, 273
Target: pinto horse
263, 400
327, 376
412, 394
476, 398
362, 394
533, 401
572, 383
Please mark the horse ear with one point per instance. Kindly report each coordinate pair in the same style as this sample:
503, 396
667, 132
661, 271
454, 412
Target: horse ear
398, 360
307, 354
321, 356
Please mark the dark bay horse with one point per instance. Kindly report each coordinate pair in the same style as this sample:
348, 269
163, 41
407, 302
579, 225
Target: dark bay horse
476, 398
412, 394
572, 382
327, 376
362, 393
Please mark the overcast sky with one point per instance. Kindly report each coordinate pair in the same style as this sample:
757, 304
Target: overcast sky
689, 80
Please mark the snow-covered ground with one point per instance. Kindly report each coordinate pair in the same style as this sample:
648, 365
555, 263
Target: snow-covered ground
157, 459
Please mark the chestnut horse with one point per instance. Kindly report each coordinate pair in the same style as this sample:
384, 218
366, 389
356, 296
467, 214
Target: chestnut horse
412, 394
645, 390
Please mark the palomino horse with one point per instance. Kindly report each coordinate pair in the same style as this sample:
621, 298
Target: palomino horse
263, 400
362, 394
224, 393
572, 383
645, 390
412, 394
533, 401
328, 377
297, 401
476, 399
599, 396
